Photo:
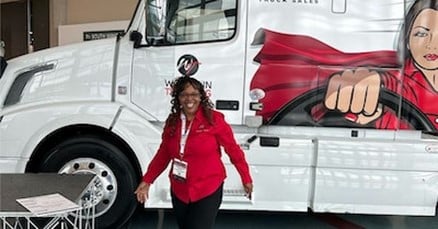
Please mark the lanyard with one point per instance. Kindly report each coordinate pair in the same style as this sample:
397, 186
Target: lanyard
184, 133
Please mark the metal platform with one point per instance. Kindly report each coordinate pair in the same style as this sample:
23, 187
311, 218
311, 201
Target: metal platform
73, 187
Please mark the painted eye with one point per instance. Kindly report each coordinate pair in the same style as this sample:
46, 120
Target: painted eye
420, 34
257, 94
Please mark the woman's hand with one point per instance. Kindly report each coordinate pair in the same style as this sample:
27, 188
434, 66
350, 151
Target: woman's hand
142, 192
356, 94
248, 189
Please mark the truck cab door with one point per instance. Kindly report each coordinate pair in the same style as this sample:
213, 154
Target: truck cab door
199, 39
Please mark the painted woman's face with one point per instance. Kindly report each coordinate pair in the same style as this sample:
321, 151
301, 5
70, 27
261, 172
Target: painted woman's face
423, 40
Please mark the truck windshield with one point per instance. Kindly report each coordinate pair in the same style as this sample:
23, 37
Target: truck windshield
190, 21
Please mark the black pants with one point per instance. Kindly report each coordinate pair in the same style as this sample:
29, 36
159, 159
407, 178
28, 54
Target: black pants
200, 214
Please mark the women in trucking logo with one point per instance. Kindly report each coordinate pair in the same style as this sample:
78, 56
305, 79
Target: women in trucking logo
187, 65
292, 65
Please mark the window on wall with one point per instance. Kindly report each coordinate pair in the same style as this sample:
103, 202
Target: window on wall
191, 21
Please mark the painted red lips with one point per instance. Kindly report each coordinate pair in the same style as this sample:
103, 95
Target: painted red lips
431, 57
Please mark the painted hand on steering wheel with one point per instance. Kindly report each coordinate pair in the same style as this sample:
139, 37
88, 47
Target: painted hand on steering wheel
356, 94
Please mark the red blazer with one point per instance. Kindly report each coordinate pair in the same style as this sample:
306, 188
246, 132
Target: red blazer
206, 171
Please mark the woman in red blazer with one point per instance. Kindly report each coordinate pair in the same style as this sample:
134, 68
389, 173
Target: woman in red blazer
191, 141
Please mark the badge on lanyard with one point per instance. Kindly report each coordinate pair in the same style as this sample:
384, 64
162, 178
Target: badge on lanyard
179, 170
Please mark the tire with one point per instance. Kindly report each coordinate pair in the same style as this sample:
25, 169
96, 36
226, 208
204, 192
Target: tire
114, 202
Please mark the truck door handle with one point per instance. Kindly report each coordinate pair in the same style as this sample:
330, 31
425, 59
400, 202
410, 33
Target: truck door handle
270, 141
227, 105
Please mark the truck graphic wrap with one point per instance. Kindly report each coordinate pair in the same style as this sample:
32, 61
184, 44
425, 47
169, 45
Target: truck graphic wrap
292, 65
351, 84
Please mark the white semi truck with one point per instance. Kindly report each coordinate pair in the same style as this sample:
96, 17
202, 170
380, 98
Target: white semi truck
99, 106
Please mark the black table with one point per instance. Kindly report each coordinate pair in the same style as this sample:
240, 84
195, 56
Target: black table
16, 186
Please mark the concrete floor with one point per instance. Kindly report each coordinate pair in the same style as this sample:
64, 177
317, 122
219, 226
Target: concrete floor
144, 219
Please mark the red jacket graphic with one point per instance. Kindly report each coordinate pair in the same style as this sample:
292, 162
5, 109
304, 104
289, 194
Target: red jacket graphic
291, 65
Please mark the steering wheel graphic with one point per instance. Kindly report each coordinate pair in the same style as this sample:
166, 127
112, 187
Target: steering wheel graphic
298, 112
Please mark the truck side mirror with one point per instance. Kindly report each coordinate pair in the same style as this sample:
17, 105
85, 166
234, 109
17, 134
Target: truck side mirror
136, 37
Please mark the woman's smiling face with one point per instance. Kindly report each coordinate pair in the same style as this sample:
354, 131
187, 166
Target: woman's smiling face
189, 98
423, 40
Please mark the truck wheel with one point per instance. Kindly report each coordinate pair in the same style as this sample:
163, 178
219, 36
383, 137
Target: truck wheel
116, 180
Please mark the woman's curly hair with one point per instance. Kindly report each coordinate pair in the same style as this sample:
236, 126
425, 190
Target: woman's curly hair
178, 87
